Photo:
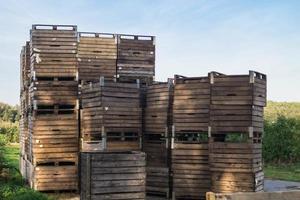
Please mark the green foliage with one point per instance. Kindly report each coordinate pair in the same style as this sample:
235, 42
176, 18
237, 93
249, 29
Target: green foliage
10, 131
9, 124
236, 137
281, 140
287, 109
16, 192
9, 113
23, 193
13, 187
3, 140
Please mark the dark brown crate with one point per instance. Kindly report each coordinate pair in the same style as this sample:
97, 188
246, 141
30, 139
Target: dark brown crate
136, 58
238, 89
190, 169
24, 136
236, 118
25, 67
54, 178
53, 138
113, 105
158, 183
64, 92
97, 45
236, 167
53, 51
24, 102
191, 104
114, 175
237, 102
51, 39
93, 69
157, 113
157, 149
97, 56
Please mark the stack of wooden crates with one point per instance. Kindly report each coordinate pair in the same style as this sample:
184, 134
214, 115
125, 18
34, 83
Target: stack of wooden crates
157, 119
189, 142
235, 132
199, 133
24, 110
53, 108
114, 70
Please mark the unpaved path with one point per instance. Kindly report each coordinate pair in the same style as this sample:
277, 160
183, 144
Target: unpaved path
278, 185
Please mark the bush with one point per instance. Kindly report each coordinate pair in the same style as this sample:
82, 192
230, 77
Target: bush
12, 192
281, 140
3, 140
10, 131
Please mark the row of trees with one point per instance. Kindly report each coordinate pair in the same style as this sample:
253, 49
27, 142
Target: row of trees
9, 123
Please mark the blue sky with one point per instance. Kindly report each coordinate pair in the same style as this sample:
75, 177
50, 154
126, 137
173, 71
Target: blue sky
193, 37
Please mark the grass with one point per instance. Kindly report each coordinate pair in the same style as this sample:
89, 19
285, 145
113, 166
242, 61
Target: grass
12, 185
11, 155
290, 172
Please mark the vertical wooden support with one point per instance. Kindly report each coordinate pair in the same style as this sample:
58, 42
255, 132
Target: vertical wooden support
101, 81
252, 76
250, 132
167, 137
173, 137
209, 132
173, 196
104, 138
88, 176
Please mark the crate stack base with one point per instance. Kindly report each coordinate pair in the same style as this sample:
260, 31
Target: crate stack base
136, 58
156, 144
236, 167
111, 116
97, 56
189, 154
53, 108
113, 175
236, 125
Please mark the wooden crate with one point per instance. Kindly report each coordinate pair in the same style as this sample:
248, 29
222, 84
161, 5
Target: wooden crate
157, 113
97, 56
53, 51
236, 118
157, 149
237, 102
24, 102
53, 138
190, 166
191, 104
24, 136
54, 178
236, 167
54, 91
25, 67
238, 89
113, 175
136, 58
111, 116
